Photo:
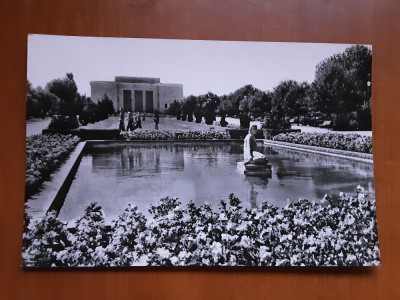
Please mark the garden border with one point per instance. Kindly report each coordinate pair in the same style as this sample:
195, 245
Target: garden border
62, 178
359, 156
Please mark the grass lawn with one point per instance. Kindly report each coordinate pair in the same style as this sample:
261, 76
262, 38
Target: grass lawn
36, 125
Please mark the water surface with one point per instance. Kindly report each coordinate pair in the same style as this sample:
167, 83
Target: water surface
142, 173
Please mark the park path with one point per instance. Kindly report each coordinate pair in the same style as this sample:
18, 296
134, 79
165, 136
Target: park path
36, 125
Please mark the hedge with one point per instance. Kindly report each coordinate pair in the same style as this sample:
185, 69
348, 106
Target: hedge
44, 154
348, 142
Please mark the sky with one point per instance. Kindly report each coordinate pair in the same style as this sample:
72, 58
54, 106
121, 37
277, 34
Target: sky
201, 66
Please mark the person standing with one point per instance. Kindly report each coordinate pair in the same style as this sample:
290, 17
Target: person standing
130, 126
121, 120
156, 119
139, 121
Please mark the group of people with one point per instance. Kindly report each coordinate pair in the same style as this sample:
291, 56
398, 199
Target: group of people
135, 120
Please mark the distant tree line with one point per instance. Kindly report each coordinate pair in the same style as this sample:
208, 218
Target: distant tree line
61, 97
340, 93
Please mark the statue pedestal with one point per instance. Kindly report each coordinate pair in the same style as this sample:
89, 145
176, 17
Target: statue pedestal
254, 170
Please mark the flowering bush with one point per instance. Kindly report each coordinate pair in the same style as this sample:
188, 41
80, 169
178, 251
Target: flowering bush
349, 142
45, 153
338, 233
175, 135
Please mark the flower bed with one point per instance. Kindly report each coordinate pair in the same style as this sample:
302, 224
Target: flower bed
175, 135
301, 234
44, 154
348, 142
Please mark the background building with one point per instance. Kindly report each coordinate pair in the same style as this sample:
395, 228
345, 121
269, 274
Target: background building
138, 94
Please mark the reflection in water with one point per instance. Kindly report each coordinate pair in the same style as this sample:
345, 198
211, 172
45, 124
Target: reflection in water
141, 173
256, 183
328, 173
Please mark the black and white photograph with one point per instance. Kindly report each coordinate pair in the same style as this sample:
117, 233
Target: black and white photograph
168, 152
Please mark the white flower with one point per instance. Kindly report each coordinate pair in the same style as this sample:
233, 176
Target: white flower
349, 220
216, 249
226, 237
164, 253
294, 259
264, 254
174, 260
223, 217
242, 226
351, 258
245, 241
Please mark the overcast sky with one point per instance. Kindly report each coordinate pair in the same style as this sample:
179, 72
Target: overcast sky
201, 66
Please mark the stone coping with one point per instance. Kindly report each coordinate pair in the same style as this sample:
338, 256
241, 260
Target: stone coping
364, 157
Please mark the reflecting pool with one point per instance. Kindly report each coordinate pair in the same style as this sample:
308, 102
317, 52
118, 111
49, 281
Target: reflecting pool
141, 173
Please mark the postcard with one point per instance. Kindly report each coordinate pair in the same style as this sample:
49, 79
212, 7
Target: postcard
163, 152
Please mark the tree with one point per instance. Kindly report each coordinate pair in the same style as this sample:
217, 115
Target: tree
209, 107
343, 83
39, 102
260, 103
29, 100
188, 107
233, 102
105, 107
283, 96
198, 113
299, 102
175, 108
66, 91
245, 104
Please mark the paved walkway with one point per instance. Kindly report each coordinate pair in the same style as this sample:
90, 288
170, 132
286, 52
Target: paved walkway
36, 125
166, 123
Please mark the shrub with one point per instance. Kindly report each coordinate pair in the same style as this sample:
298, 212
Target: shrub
44, 241
198, 116
44, 154
349, 142
338, 233
176, 135
64, 122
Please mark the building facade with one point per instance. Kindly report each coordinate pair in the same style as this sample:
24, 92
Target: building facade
137, 94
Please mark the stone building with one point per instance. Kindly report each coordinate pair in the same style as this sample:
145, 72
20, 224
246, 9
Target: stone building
138, 94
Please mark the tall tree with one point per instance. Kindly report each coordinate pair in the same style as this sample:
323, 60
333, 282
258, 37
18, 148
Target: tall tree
233, 103
342, 81
66, 91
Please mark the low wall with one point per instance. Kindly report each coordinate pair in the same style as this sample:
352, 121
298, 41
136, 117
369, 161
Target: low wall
89, 134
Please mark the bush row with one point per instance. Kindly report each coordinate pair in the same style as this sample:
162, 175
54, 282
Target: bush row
349, 142
175, 135
45, 153
340, 233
